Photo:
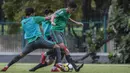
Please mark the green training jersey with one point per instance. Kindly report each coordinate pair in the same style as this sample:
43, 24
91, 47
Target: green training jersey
32, 28
61, 20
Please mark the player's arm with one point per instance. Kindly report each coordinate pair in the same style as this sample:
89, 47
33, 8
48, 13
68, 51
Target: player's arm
52, 19
42, 30
79, 23
48, 17
40, 19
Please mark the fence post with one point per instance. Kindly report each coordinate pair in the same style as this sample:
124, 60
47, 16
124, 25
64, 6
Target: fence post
105, 32
2, 29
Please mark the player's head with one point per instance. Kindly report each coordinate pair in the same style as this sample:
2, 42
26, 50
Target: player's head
72, 6
29, 11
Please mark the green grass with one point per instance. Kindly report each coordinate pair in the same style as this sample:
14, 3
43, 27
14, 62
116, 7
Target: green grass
88, 68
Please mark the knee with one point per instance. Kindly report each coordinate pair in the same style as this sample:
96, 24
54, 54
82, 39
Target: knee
62, 45
56, 46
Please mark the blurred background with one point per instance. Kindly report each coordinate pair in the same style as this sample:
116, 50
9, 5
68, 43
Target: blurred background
106, 29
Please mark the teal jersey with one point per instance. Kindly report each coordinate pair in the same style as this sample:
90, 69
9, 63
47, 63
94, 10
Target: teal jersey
31, 27
61, 20
46, 25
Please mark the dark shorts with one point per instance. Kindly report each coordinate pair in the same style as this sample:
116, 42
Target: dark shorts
40, 43
58, 37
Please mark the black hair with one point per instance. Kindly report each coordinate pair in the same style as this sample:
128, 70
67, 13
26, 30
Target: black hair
29, 11
47, 11
72, 4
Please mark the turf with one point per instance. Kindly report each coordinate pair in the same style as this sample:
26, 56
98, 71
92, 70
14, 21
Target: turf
88, 68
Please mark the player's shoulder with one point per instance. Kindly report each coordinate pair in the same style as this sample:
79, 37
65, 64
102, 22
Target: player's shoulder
38, 17
60, 10
63, 9
25, 20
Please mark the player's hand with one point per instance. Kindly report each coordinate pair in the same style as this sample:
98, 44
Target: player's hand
53, 23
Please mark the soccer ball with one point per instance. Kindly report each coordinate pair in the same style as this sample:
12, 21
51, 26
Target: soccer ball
67, 67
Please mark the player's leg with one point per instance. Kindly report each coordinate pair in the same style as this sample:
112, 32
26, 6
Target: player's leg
57, 37
39, 43
28, 48
68, 57
40, 65
50, 44
60, 40
46, 44
46, 63
44, 55
52, 55
55, 68
71, 61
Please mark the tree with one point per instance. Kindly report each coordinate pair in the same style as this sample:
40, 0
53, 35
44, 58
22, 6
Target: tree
14, 9
119, 20
1, 11
86, 9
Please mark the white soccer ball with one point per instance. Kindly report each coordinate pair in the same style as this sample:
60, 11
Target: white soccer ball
67, 67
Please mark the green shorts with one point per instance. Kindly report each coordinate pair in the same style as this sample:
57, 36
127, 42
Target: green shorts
58, 37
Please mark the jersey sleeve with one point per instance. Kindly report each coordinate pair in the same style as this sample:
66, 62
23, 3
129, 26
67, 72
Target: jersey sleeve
59, 13
39, 19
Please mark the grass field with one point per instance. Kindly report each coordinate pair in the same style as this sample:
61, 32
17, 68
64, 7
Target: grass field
88, 68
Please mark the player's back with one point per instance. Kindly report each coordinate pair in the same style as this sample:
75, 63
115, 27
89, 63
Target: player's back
30, 27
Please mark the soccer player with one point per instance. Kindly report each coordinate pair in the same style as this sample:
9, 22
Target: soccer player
34, 37
59, 20
51, 53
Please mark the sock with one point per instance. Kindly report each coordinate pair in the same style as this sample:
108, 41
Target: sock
40, 65
58, 55
69, 59
65, 48
14, 60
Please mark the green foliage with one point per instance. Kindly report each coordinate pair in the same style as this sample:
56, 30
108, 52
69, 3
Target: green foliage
95, 45
14, 9
114, 58
122, 41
